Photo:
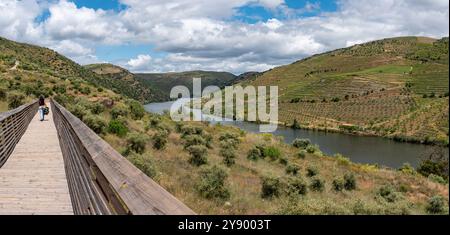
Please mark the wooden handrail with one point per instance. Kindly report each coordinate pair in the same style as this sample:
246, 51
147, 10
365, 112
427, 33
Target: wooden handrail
13, 125
102, 181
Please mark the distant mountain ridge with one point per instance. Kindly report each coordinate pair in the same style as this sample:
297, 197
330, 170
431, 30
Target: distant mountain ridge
166, 81
125, 82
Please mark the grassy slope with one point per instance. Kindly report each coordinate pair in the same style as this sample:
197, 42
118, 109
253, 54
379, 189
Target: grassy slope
166, 81
244, 178
379, 85
126, 83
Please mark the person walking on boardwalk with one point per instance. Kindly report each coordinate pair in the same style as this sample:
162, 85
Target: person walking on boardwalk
42, 108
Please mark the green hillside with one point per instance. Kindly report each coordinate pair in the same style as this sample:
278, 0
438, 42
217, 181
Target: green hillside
395, 87
166, 81
217, 169
122, 81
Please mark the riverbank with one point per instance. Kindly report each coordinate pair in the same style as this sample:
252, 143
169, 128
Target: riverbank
401, 139
364, 150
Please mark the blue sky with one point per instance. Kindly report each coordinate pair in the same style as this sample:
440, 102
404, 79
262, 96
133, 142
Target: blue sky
251, 14
221, 35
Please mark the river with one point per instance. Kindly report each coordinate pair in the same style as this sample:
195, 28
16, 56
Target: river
360, 149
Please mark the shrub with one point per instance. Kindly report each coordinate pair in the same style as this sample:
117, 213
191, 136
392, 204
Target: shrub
78, 110
342, 160
283, 161
428, 167
302, 154
208, 139
159, 140
292, 169
136, 142
338, 184
349, 182
317, 184
272, 152
301, 143
228, 155
312, 149
212, 183
15, 100
198, 155
436, 178
117, 127
85, 90
407, 169
190, 130
436, 205
154, 122
297, 186
296, 125
119, 111
254, 154
311, 171
137, 110
97, 108
193, 140
271, 187
388, 193
230, 139
3, 94
143, 163
97, 124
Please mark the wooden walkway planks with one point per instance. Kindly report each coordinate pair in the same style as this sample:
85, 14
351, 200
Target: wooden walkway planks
33, 180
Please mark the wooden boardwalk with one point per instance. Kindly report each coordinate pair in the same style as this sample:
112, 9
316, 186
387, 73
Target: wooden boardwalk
33, 179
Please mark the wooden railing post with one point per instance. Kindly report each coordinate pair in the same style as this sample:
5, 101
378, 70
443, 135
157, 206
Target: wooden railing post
13, 125
102, 181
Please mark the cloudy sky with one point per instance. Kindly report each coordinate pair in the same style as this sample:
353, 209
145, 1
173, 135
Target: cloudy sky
222, 35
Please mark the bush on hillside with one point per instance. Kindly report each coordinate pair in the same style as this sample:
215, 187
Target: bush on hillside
3, 94
292, 169
190, 130
137, 110
317, 184
301, 143
198, 154
96, 124
191, 140
143, 163
349, 182
283, 161
312, 171
272, 152
437, 179
388, 193
270, 187
312, 149
78, 110
429, 166
297, 186
117, 127
407, 169
228, 155
137, 142
229, 139
302, 154
119, 110
436, 205
254, 154
15, 100
338, 184
97, 108
212, 183
159, 140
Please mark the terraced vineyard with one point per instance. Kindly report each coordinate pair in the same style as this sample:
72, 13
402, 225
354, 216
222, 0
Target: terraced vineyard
394, 87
